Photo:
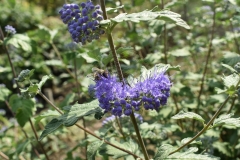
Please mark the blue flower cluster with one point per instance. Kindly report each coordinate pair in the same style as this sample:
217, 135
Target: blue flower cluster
83, 21
9, 29
119, 98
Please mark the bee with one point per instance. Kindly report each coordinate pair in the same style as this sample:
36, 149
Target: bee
97, 73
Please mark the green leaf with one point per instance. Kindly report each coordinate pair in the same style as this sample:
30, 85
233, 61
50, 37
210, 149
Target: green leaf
130, 146
149, 15
24, 74
231, 58
43, 81
229, 67
30, 92
145, 73
46, 33
181, 52
191, 115
185, 140
189, 154
19, 41
73, 114
223, 147
49, 113
54, 62
231, 80
163, 151
52, 126
227, 122
112, 10
4, 93
78, 111
124, 49
22, 107
21, 147
92, 149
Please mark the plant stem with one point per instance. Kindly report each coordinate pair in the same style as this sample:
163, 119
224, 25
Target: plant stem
207, 60
78, 91
205, 128
36, 136
139, 136
86, 130
232, 104
120, 75
235, 37
18, 88
4, 156
50, 102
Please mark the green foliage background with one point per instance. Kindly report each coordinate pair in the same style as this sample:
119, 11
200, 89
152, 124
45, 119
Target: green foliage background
43, 44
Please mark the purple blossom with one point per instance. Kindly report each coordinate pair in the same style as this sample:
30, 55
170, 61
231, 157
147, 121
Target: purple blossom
9, 29
120, 98
82, 15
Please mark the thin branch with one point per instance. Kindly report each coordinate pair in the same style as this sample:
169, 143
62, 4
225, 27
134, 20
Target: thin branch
120, 75
88, 131
207, 60
78, 91
4, 156
235, 37
36, 136
204, 129
18, 87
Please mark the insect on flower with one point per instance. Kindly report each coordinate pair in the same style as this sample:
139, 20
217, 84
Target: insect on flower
97, 73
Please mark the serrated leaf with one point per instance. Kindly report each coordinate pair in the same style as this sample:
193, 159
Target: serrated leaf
163, 151
223, 148
145, 73
191, 115
231, 80
19, 41
229, 67
22, 107
75, 112
116, 153
43, 81
24, 74
92, 149
149, 15
52, 126
4, 93
49, 113
227, 121
190, 155
231, 58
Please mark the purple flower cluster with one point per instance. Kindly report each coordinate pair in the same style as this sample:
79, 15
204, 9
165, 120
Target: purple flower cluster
119, 98
9, 29
83, 21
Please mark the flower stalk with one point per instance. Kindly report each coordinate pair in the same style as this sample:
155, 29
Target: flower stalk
120, 75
